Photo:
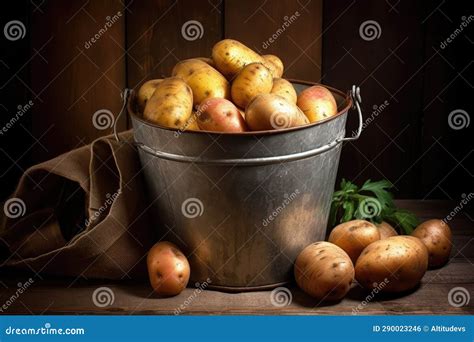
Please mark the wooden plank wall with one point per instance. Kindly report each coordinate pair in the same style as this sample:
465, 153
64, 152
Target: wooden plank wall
404, 69
73, 77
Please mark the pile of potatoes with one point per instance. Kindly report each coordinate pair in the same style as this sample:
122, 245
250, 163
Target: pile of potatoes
236, 90
374, 255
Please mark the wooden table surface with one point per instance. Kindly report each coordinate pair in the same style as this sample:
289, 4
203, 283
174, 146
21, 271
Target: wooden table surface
61, 296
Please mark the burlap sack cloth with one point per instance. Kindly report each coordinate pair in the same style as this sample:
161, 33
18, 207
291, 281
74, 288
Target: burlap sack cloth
84, 214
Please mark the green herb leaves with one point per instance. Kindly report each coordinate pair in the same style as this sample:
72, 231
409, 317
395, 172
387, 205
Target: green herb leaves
372, 202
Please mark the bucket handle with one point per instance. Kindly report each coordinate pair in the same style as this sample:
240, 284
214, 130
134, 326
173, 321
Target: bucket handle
125, 94
356, 101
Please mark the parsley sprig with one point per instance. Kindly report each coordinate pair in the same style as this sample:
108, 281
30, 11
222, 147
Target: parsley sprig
373, 202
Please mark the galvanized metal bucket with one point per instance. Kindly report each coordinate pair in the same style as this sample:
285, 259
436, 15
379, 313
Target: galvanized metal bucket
242, 206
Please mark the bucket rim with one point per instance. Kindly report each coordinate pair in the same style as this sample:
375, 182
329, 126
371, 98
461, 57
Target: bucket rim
345, 95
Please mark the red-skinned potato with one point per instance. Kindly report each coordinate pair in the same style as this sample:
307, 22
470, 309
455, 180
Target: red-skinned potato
317, 103
168, 269
354, 236
436, 235
220, 115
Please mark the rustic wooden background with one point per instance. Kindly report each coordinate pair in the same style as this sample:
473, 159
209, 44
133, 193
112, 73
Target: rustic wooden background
410, 142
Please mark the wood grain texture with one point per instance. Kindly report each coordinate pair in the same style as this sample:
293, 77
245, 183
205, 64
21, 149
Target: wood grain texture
15, 140
387, 68
155, 37
290, 29
71, 296
72, 77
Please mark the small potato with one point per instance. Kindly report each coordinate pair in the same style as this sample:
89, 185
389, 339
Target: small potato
285, 89
220, 115
437, 236
254, 79
191, 124
208, 61
386, 230
230, 56
317, 103
171, 104
168, 269
354, 236
394, 264
270, 111
205, 81
145, 92
324, 271
275, 65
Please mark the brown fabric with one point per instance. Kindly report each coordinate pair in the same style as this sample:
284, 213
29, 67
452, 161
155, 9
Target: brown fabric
83, 215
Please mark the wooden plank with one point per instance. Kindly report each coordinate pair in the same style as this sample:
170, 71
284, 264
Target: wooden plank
289, 29
155, 39
72, 76
387, 69
447, 89
15, 97
67, 296
138, 299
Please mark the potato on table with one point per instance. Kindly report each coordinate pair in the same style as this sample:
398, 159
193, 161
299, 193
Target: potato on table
437, 236
205, 81
394, 264
285, 89
317, 103
254, 79
171, 104
220, 115
324, 271
230, 56
353, 236
386, 230
168, 269
270, 112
